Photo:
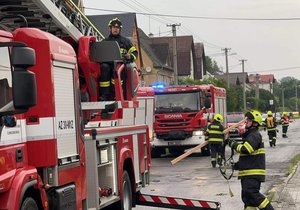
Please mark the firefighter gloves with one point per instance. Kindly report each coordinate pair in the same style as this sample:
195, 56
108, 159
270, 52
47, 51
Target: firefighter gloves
233, 144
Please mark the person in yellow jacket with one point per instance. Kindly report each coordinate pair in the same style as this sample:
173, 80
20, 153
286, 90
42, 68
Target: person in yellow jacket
271, 124
216, 140
252, 163
127, 50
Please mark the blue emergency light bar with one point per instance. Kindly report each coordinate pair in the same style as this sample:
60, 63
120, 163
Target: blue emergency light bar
158, 86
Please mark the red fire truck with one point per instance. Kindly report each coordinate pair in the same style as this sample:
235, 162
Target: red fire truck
48, 159
181, 114
59, 147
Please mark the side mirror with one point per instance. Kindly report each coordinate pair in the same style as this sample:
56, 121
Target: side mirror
22, 57
207, 101
24, 89
23, 81
18, 85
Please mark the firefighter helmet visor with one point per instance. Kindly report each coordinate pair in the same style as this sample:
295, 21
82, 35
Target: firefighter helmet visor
115, 22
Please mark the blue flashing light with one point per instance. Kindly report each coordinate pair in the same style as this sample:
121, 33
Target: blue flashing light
158, 86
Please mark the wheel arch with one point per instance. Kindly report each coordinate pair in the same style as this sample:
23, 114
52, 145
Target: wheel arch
128, 166
28, 190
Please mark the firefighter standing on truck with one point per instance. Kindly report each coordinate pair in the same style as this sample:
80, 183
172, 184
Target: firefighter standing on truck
127, 50
285, 124
216, 140
271, 128
252, 163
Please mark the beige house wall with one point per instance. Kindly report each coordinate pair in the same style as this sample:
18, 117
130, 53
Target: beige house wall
155, 75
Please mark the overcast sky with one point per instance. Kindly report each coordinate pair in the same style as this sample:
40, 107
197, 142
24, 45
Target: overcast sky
269, 46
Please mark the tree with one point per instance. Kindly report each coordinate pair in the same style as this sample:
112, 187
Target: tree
211, 66
285, 90
234, 93
263, 104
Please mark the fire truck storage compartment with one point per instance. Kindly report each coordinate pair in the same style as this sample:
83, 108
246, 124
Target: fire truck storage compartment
65, 112
101, 171
63, 198
106, 161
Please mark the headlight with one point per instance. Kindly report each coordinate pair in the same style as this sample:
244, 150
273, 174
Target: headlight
198, 133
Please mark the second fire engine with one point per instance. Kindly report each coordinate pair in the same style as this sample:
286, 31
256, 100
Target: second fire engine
181, 114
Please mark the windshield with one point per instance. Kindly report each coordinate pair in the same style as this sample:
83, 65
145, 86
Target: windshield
5, 80
234, 119
177, 102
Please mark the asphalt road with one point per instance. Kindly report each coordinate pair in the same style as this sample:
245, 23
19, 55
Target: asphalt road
193, 177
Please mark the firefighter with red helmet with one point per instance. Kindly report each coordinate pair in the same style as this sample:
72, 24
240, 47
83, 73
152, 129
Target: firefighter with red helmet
271, 124
252, 163
127, 50
216, 140
285, 124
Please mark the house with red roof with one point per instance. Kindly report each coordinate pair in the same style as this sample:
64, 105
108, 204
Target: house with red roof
265, 81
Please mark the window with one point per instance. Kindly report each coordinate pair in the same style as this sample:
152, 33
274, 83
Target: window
177, 102
5, 78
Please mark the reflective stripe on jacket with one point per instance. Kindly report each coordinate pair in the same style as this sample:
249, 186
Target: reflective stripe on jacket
215, 132
285, 121
125, 45
252, 155
270, 123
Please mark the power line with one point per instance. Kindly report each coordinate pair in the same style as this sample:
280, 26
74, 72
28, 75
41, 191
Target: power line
202, 17
202, 40
279, 69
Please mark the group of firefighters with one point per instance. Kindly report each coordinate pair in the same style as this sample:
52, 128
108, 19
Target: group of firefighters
251, 163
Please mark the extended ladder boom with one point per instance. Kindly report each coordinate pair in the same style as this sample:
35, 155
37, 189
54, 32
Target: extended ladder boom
59, 17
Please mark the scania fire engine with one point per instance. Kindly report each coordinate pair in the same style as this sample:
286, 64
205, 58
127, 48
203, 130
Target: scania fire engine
60, 148
181, 115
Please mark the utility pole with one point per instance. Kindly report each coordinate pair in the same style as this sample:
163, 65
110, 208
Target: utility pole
226, 60
244, 83
257, 86
174, 51
296, 98
282, 91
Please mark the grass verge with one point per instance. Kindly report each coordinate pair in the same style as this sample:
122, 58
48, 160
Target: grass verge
294, 162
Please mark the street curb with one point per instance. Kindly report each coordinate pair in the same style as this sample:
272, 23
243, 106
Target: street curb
274, 194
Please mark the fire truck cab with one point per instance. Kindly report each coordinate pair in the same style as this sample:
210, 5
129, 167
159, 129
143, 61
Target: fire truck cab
181, 115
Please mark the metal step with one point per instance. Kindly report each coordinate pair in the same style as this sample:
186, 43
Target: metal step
59, 17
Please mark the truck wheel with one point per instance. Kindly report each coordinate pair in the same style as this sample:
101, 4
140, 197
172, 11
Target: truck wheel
29, 204
156, 152
176, 150
126, 201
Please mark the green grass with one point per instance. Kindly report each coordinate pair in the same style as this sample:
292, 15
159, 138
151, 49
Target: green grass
294, 162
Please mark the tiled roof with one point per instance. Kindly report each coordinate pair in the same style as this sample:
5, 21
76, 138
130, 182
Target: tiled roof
266, 78
185, 45
233, 77
151, 50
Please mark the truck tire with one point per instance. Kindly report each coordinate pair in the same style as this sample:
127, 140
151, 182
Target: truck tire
126, 201
176, 150
29, 204
156, 152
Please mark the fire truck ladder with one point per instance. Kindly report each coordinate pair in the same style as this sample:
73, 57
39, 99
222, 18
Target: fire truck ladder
59, 17
176, 203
